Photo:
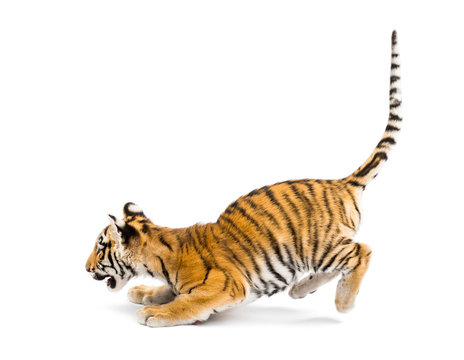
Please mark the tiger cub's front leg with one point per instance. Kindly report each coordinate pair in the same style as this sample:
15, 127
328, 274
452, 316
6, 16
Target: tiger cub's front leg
195, 305
150, 295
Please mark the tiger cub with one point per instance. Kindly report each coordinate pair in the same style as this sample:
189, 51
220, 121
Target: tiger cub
261, 244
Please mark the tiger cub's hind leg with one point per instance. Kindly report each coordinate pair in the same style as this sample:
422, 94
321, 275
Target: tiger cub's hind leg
353, 269
150, 295
310, 284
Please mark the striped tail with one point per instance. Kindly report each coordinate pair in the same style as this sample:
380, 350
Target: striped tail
369, 170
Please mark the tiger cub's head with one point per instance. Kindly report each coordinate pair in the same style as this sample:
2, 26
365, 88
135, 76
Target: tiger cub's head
113, 257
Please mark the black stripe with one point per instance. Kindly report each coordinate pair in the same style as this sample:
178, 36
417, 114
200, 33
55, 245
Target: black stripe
341, 261
206, 246
145, 228
332, 259
206, 275
243, 290
290, 257
268, 192
105, 248
211, 229
149, 271
121, 266
309, 213
355, 183
311, 223
289, 224
254, 192
212, 257
177, 279
239, 232
316, 229
276, 249
250, 255
371, 165
275, 291
203, 246
394, 66
243, 268
356, 248
226, 282
354, 203
329, 210
392, 128
108, 267
271, 268
394, 117
110, 258
262, 210
331, 247
247, 251
355, 267
299, 239
344, 214
293, 206
194, 239
165, 272
395, 104
231, 207
179, 240
387, 140
161, 239
327, 249
394, 78
269, 235
315, 248
130, 268
249, 218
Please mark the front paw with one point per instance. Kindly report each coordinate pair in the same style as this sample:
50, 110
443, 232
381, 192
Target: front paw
153, 316
141, 294
150, 295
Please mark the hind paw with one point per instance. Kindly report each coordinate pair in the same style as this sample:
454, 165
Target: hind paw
343, 305
296, 292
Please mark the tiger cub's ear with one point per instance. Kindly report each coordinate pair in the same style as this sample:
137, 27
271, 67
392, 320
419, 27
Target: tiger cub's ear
120, 230
130, 209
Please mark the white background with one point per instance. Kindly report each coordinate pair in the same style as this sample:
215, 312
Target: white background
183, 106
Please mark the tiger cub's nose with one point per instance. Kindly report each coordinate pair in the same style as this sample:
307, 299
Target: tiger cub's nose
89, 267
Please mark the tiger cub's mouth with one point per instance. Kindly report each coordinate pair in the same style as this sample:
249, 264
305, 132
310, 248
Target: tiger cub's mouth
110, 281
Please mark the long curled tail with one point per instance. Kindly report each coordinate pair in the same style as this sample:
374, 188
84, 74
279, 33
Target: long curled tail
371, 167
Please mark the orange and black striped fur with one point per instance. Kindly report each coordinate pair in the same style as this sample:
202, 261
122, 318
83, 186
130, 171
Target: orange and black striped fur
263, 243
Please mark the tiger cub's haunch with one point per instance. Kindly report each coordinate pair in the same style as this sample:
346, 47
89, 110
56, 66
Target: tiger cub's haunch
295, 234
